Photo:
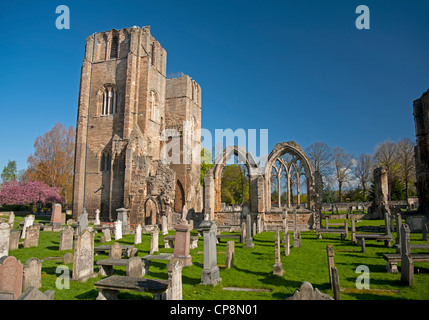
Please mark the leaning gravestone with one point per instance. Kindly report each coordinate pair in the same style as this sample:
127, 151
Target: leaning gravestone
83, 259
210, 273
32, 274
82, 222
14, 239
11, 275
28, 222
66, 239
4, 239
32, 237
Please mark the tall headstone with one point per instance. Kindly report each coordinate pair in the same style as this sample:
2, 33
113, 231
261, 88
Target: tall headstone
138, 234
14, 239
183, 240
123, 216
118, 229
210, 273
229, 255
285, 224
154, 240
398, 227
134, 267
32, 274
115, 251
83, 258
11, 271
11, 219
243, 232
56, 216
107, 235
174, 291
4, 239
32, 237
278, 266
353, 222
425, 232
82, 222
97, 218
407, 263
336, 284
380, 203
66, 239
287, 244
28, 222
164, 225
249, 239
330, 254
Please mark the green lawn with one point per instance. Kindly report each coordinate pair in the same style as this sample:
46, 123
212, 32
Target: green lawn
252, 269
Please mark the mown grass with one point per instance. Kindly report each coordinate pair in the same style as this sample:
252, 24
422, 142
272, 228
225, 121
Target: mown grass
252, 269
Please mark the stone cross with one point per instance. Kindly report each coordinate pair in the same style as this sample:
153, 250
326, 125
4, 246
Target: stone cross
97, 218
32, 274
138, 234
4, 239
118, 229
66, 239
229, 256
278, 266
11, 276
83, 258
210, 273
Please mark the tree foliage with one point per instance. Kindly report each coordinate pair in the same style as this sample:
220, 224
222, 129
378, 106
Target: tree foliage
28, 192
234, 185
9, 172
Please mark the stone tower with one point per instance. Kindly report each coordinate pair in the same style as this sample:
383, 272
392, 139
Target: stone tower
120, 131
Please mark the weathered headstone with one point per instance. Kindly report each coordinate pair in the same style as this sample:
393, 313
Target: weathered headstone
154, 240
407, 263
14, 239
174, 291
115, 251
35, 294
56, 216
83, 259
66, 239
398, 227
353, 222
82, 222
243, 232
134, 267
97, 218
68, 258
336, 284
28, 222
306, 292
4, 239
425, 232
32, 237
278, 266
118, 230
11, 218
249, 239
229, 255
138, 235
32, 274
123, 217
183, 240
107, 235
11, 275
330, 254
164, 225
210, 273
285, 224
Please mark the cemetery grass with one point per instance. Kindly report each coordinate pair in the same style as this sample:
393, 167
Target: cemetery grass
251, 275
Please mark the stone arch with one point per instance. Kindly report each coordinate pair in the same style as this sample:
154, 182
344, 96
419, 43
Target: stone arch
151, 211
179, 199
297, 153
245, 157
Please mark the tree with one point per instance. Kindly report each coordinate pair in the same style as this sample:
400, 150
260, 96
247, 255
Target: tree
342, 165
26, 193
321, 158
407, 165
53, 159
234, 185
9, 172
363, 172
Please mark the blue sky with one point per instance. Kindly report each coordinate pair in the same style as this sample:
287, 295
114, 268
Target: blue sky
300, 69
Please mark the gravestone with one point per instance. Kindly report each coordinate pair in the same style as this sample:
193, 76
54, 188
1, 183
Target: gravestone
32, 274
164, 225
35, 294
306, 292
285, 224
134, 267
32, 237
296, 233
83, 259
249, 239
66, 239
82, 222
243, 232
336, 283
123, 217
115, 251
174, 291
330, 254
118, 230
353, 222
4, 239
138, 235
107, 235
28, 222
11, 275
230, 252
154, 240
398, 227
407, 263
56, 216
11, 218
287, 244
210, 273
425, 232
14, 239
278, 265
97, 218
183, 240
68, 258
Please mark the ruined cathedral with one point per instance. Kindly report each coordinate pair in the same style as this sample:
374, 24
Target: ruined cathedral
127, 103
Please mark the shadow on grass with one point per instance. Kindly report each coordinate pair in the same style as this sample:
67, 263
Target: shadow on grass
89, 295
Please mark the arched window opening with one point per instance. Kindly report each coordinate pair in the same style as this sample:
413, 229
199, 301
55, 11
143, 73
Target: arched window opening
114, 47
110, 104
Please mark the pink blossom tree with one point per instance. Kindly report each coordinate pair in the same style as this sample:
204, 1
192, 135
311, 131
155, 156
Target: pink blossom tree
28, 192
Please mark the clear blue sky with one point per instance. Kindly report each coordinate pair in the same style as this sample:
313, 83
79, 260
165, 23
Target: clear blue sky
300, 69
